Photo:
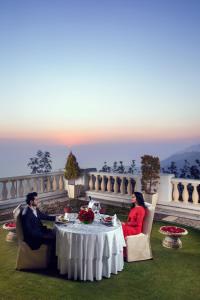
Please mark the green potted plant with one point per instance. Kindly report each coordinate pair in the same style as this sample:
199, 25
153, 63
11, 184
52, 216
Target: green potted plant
150, 168
71, 173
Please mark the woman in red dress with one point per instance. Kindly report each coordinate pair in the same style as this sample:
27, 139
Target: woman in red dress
136, 216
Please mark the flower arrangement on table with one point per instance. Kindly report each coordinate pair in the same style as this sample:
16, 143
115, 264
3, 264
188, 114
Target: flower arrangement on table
173, 230
86, 215
9, 226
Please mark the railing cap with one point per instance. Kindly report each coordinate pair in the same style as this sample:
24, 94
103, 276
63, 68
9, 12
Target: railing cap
184, 180
3, 179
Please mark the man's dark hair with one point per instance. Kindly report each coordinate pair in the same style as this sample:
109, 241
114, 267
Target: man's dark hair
30, 197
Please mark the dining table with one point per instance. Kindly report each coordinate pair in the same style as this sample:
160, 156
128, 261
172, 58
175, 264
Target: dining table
89, 251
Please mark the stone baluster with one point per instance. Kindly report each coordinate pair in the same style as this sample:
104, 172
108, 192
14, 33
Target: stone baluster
115, 184
61, 183
195, 195
13, 192
109, 184
185, 194
41, 183
175, 191
97, 183
54, 184
5, 191
35, 184
103, 187
91, 182
48, 183
21, 188
122, 186
28, 188
129, 187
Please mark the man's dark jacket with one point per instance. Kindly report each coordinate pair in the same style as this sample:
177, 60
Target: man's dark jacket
33, 228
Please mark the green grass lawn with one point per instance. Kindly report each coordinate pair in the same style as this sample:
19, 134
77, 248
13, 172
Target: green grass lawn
172, 274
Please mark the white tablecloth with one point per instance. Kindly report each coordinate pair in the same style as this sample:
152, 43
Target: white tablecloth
89, 251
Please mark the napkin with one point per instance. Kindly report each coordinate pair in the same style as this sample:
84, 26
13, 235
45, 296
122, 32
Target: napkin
91, 203
114, 220
66, 216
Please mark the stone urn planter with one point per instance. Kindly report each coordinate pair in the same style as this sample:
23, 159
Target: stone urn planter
11, 228
172, 236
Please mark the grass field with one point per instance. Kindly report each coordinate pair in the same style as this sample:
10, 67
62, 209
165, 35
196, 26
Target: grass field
172, 274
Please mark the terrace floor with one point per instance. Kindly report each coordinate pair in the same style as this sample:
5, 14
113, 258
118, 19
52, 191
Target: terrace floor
172, 274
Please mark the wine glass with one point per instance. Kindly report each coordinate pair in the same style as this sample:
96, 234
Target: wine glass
96, 209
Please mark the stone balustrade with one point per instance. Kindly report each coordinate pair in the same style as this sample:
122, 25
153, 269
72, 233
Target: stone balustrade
174, 194
186, 190
123, 184
19, 186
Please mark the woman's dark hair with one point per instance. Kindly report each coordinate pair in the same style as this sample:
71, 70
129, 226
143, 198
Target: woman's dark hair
140, 199
30, 197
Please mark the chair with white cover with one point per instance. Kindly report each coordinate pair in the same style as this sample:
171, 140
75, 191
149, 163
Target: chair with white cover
26, 257
138, 246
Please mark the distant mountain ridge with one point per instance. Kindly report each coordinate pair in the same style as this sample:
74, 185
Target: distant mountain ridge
190, 154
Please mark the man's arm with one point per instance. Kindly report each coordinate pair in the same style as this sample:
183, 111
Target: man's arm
44, 216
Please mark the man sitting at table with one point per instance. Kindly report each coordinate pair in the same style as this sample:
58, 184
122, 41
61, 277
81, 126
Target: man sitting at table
35, 233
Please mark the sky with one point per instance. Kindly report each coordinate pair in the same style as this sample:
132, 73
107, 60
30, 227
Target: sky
78, 73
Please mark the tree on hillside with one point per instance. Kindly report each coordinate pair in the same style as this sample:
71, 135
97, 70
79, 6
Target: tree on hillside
173, 169
115, 167
132, 168
195, 170
121, 168
105, 168
185, 171
41, 163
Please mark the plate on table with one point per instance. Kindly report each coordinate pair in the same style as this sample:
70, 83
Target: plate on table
61, 220
107, 220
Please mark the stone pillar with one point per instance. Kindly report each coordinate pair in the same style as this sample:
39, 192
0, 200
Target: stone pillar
165, 188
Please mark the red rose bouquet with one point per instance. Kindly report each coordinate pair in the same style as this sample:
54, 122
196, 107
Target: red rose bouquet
86, 215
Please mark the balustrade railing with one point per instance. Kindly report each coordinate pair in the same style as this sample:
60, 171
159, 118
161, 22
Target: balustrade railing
112, 183
19, 186
186, 190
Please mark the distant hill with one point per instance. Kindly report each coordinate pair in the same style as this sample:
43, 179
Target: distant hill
190, 154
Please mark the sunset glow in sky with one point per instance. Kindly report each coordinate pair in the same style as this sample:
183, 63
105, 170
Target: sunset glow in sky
78, 72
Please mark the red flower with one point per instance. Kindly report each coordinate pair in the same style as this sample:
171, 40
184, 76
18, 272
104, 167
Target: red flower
10, 224
86, 215
172, 229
